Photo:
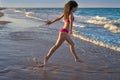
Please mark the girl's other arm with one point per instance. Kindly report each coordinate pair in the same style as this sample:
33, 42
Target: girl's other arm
71, 24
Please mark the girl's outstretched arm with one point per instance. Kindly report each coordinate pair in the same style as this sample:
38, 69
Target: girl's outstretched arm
57, 19
71, 23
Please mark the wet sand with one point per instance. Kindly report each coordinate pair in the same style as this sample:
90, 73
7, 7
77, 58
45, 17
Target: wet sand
1, 14
19, 47
3, 22
1, 8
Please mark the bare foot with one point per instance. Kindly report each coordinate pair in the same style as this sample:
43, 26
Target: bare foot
78, 60
45, 60
36, 61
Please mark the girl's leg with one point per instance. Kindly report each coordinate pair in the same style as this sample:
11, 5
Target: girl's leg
60, 40
72, 49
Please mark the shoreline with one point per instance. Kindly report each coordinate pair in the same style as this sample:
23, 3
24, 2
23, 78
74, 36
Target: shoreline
97, 43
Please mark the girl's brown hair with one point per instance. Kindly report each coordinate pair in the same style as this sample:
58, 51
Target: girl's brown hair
68, 7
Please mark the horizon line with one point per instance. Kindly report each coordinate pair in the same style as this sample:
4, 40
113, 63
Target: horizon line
58, 7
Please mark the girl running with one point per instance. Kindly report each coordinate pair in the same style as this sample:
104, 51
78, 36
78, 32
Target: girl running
65, 31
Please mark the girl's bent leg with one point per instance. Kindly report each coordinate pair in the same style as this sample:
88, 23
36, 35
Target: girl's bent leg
72, 49
60, 40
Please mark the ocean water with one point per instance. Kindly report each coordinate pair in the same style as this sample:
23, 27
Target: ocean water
100, 26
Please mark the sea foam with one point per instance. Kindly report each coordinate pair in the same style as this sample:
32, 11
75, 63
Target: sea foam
106, 23
96, 42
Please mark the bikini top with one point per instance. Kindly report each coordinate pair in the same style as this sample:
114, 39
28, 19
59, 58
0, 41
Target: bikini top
67, 20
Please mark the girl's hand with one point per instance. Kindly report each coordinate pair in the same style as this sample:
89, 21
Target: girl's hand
48, 22
70, 33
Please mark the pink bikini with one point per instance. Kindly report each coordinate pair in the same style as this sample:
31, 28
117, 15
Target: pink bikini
64, 29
